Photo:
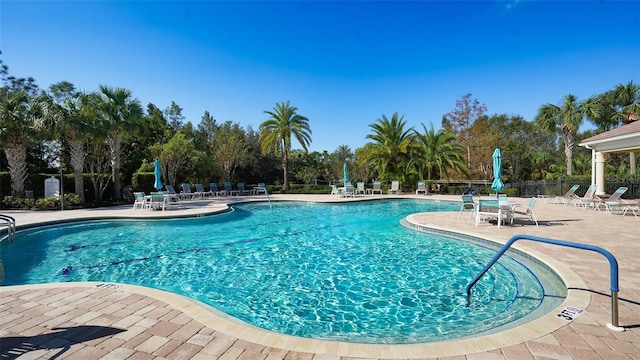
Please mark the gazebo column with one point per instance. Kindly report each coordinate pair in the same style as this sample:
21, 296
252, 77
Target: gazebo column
599, 171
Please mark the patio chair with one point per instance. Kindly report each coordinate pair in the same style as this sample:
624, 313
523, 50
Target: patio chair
588, 199
260, 189
376, 188
395, 187
199, 193
360, 188
186, 192
421, 188
525, 211
568, 197
489, 209
228, 189
141, 200
242, 190
334, 191
349, 190
213, 189
614, 204
467, 205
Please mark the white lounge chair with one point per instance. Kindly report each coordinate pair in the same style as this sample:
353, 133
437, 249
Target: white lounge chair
395, 187
568, 197
615, 204
588, 199
360, 188
422, 188
376, 188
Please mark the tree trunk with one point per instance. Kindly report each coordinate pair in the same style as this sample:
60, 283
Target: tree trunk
632, 162
115, 143
16, 152
285, 166
77, 162
569, 141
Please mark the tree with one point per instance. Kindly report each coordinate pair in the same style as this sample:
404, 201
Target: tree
438, 152
173, 113
461, 120
565, 119
175, 156
230, 149
121, 113
391, 146
276, 132
620, 106
64, 118
17, 96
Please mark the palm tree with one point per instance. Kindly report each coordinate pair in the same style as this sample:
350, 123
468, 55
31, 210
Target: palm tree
625, 102
121, 114
17, 96
391, 146
566, 120
275, 134
62, 116
438, 152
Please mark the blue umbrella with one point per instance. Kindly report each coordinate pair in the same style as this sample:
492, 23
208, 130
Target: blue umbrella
156, 170
497, 184
346, 173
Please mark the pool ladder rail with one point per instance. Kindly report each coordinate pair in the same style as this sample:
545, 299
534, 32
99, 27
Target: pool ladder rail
11, 226
613, 269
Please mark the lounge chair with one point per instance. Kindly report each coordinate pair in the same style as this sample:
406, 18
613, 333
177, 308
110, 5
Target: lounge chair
334, 191
360, 188
615, 204
242, 190
186, 192
467, 205
525, 211
213, 189
489, 209
588, 199
199, 193
422, 187
568, 197
228, 189
395, 187
140, 200
376, 188
633, 207
260, 189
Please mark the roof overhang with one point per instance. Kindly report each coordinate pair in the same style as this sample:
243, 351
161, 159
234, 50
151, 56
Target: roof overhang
617, 140
626, 143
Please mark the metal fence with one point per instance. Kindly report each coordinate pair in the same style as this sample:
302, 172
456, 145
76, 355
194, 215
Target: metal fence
559, 187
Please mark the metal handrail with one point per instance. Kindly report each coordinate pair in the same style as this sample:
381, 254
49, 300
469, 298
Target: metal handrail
613, 269
11, 226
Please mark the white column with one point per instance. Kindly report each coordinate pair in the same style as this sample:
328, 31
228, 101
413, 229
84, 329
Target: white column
593, 166
599, 173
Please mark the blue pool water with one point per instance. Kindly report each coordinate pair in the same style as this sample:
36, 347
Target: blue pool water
346, 272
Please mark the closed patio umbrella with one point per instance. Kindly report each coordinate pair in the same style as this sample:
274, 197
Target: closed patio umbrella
345, 170
497, 184
156, 170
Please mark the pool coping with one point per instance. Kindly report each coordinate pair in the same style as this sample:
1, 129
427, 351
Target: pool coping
219, 321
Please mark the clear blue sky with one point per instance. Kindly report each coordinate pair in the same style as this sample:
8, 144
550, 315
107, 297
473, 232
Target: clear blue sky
343, 64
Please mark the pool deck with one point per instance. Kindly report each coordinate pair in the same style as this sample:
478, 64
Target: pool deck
117, 321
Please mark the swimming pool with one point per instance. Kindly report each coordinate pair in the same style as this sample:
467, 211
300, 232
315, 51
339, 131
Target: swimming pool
346, 272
